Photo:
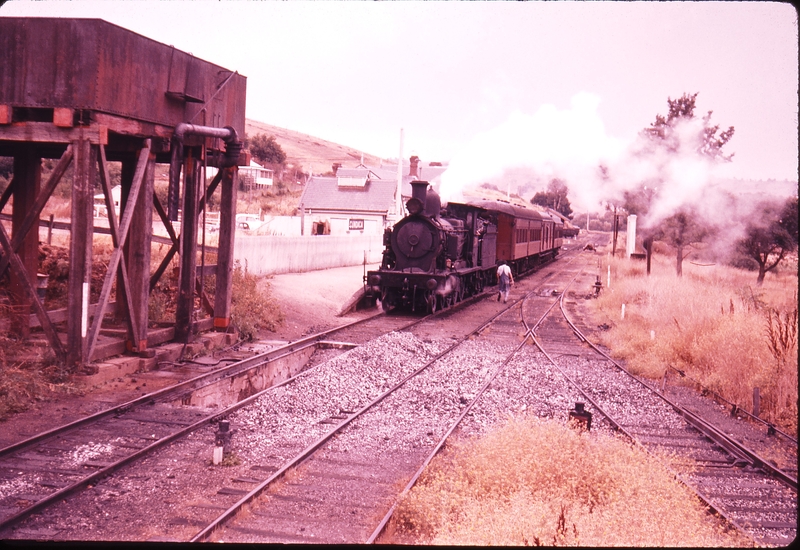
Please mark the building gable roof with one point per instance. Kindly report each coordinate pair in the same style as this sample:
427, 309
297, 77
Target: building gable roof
324, 193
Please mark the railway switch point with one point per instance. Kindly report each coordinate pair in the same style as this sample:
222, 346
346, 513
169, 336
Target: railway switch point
223, 436
598, 285
580, 417
222, 441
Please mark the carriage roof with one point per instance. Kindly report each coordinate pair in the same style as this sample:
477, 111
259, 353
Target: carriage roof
510, 209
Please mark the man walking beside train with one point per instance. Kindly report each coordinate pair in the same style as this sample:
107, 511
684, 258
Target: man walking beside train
506, 279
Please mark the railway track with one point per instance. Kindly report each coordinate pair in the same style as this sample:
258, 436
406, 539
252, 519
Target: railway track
752, 494
330, 490
335, 447
46, 469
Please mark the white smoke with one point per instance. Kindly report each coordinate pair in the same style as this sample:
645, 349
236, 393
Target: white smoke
528, 151
572, 145
567, 144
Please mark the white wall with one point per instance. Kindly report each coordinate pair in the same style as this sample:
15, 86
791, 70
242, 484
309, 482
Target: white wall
280, 225
340, 223
270, 254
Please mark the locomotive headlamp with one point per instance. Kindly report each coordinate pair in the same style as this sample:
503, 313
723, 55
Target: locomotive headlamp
431, 284
414, 206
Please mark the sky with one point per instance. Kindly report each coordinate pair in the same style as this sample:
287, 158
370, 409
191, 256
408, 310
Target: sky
555, 86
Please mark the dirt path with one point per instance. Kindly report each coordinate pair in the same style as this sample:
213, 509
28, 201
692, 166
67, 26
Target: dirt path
312, 301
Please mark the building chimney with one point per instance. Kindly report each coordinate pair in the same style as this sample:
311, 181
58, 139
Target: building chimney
414, 165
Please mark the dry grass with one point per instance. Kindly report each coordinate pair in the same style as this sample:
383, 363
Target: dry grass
534, 482
252, 309
713, 323
28, 374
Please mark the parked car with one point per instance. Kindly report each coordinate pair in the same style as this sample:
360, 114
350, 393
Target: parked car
248, 222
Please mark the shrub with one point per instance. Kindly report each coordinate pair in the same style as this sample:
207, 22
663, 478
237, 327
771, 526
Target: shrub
252, 308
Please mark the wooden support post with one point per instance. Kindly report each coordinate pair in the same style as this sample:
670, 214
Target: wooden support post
184, 308
172, 250
28, 176
756, 402
80, 253
227, 232
138, 254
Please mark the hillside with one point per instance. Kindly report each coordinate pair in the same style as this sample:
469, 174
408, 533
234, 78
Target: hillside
311, 152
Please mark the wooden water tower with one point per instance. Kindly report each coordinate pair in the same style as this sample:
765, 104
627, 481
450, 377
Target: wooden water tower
88, 93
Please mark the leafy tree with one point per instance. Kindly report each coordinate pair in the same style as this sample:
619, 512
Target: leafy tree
6, 171
770, 235
664, 134
667, 135
681, 230
555, 197
266, 149
789, 219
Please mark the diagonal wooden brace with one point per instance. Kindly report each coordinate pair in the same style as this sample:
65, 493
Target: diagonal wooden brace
32, 217
41, 314
116, 256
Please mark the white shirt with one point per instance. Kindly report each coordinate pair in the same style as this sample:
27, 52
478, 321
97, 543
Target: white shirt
504, 270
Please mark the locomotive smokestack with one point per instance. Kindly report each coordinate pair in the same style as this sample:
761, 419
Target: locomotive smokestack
413, 172
419, 191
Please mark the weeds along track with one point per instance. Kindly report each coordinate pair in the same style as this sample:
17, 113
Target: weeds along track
92, 479
752, 494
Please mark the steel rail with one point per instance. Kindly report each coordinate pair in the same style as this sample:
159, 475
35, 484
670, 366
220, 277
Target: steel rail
206, 532
217, 415
732, 446
711, 432
440, 445
187, 385
735, 408
165, 394
711, 505
106, 471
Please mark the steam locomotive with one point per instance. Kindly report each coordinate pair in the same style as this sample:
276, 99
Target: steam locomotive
435, 257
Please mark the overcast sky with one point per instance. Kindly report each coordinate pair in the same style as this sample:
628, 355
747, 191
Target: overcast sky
454, 75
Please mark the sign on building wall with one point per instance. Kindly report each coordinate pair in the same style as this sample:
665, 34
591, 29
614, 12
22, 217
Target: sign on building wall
356, 224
